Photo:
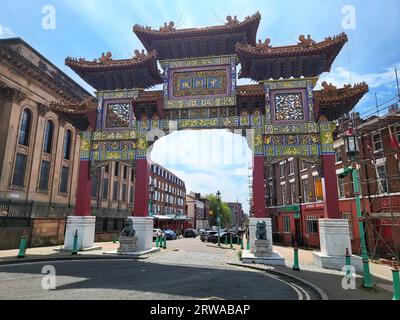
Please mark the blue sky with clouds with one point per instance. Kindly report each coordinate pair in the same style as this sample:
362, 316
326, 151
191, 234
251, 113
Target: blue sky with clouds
87, 28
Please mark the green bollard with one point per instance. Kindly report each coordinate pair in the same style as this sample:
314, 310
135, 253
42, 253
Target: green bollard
75, 245
114, 240
231, 242
22, 247
226, 240
348, 262
396, 281
296, 266
157, 241
241, 243
248, 244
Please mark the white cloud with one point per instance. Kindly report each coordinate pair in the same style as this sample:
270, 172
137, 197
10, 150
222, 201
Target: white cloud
5, 31
340, 76
208, 161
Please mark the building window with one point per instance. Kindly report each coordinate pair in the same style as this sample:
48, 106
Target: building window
19, 170
125, 174
293, 193
105, 189
312, 224
286, 224
48, 137
44, 176
291, 168
377, 142
383, 186
338, 155
305, 190
95, 184
25, 127
116, 169
132, 175
282, 169
106, 169
124, 192
64, 179
341, 189
115, 191
318, 188
283, 189
67, 145
397, 133
347, 215
303, 165
131, 194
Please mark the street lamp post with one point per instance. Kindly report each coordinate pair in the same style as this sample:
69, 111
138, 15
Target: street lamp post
152, 189
219, 218
352, 151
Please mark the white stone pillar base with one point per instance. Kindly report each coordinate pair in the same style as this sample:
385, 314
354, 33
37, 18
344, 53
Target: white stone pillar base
252, 232
144, 232
86, 229
273, 258
334, 236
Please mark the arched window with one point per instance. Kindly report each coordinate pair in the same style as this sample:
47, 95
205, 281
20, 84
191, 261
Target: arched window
67, 145
25, 127
48, 137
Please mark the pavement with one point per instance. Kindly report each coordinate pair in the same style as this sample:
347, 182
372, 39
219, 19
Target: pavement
192, 253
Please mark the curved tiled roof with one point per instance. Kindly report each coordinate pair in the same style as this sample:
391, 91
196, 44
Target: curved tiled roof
333, 102
215, 40
307, 58
105, 73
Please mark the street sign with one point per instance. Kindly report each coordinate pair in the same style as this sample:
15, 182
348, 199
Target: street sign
210, 213
292, 208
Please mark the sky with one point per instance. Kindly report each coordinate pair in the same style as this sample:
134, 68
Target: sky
214, 160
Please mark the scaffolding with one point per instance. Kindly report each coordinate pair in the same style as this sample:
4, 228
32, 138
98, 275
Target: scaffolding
378, 245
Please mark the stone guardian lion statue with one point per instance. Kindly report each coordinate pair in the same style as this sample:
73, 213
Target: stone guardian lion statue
261, 230
128, 230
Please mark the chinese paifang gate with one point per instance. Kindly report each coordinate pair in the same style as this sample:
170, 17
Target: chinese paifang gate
285, 115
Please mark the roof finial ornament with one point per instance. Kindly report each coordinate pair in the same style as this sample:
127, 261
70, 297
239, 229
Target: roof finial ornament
105, 57
307, 42
139, 55
231, 20
168, 27
329, 88
265, 44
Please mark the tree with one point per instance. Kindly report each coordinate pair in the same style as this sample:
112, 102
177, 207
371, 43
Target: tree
225, 212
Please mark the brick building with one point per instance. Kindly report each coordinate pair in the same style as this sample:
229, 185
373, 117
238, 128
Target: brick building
237, 213
167, 199
293, 181
198, 210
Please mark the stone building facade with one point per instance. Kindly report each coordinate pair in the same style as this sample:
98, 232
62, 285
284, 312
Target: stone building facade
39, 145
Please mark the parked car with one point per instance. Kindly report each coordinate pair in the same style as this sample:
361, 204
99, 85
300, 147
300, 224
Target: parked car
157, 233
204, 237
223, 236
169, 234
189, 233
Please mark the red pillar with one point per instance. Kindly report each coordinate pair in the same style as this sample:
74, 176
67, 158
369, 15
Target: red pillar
84, 188
259, 187
141, 205
330, 188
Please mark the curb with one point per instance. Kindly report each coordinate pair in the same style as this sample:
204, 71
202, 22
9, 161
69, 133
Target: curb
315, 288
70, 258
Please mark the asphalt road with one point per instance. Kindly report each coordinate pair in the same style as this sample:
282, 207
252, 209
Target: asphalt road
130, 279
